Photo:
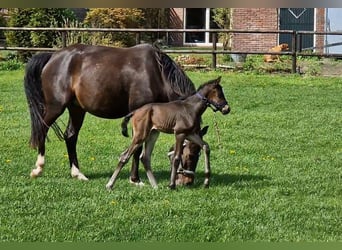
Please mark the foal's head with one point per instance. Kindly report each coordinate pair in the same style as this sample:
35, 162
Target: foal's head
212, 93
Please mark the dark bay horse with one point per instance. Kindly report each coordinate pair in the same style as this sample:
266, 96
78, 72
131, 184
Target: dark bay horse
181, 118
104, 81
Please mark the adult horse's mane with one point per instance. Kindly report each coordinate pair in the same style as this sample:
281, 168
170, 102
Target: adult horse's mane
173, 74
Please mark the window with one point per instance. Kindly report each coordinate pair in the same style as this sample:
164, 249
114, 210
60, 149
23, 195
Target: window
198, 18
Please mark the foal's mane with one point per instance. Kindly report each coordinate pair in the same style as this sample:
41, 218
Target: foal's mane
179, 82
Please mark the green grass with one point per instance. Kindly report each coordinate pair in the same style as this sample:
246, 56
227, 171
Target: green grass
276, 163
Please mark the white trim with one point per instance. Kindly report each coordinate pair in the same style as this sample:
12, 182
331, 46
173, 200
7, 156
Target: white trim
206, 42
314, 29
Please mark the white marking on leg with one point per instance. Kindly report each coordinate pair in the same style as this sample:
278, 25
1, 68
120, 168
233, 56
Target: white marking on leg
39, 166
138, 184
76, 173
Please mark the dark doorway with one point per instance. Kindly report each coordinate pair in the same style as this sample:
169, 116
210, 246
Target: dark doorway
297, 19
195, 19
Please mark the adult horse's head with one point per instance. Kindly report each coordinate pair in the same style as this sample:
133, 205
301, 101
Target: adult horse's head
190, 157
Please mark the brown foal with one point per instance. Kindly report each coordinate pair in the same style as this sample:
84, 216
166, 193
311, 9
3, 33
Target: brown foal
182, 118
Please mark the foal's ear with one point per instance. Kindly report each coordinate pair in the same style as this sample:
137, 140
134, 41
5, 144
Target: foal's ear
204, 130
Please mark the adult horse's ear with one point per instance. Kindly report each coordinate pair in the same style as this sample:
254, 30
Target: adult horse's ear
204, 130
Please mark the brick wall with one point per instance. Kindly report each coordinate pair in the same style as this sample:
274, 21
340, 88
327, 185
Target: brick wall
254, 19
176, 22
320, 27
251, 19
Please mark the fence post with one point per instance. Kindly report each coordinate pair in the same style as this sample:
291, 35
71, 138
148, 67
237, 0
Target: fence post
214, 40
64, 39
299, 42
294, 52
137, 38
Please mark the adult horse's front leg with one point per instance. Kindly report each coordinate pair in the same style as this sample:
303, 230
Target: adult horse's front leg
207, 170
205, 147
177, 158
146, 156
134, 176
76, 117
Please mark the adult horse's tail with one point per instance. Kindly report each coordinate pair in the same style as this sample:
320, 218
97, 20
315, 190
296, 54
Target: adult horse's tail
35, 97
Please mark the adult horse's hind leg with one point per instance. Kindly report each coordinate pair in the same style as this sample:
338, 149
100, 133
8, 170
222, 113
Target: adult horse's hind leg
146, 156
76, 117
134, 176
177, 158
51, 114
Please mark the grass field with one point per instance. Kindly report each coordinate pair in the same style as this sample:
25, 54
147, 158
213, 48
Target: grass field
276, 162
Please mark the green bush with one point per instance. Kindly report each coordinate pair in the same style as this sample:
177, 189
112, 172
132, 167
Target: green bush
35, 17
114, 18
11, 64
2, 24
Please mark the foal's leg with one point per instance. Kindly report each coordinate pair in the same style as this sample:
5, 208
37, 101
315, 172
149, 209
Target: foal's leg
76, 117
146, 156
51, 114
124, 158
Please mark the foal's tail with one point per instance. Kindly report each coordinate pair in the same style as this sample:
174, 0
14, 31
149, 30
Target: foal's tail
35, 97
124, 124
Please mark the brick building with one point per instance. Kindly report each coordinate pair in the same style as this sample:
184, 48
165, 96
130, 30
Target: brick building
310, 19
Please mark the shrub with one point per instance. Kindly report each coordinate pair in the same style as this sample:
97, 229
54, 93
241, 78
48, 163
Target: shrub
35, 17
3, 24
114, 18
10, 64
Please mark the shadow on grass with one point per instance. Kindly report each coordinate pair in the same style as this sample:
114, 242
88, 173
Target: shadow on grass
236, 180
240, 180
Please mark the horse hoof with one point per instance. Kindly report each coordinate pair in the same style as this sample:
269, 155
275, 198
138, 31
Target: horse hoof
36, 173
109, 185
80, 177
76, 173
138, 183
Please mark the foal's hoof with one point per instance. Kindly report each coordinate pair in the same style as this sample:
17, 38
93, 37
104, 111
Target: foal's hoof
109, 186
172, 186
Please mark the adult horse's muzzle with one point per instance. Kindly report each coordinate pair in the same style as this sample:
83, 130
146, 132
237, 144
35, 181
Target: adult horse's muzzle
226, 109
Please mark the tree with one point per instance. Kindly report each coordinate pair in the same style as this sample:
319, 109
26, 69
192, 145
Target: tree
114, 18
155, 18
222, 17
2, 23
36, 17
